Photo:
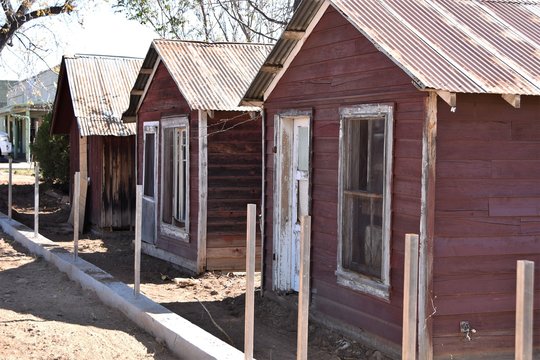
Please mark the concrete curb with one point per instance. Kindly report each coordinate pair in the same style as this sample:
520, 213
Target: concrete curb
185, 339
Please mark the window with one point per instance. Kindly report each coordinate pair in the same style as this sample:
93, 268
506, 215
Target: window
364, 198
175, 177
149, 160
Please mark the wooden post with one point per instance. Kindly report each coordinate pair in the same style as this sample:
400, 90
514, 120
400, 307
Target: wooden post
427, 230
410, 297
10, 188
524, 309
138, 223
76, 195
36, 200
250, 281
303, 294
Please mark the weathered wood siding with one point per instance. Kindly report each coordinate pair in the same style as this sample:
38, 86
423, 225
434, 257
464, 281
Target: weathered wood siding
487, 218
337, 66
118, 182
234, 180
164, 99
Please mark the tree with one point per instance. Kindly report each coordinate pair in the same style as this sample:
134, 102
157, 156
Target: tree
211, 20
26, 11
52, 153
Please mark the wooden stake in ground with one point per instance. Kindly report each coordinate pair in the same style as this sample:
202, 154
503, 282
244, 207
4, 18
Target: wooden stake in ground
10, 188
250, 281
303, 294
36, 200
524, 309
76, 196
138, 223
410, 297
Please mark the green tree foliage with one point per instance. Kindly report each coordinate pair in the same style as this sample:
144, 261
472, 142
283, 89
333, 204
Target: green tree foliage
52, 153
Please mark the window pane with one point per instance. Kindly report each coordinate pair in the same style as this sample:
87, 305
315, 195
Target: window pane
376, 157
180, 180
149, 158
303, 148
362, 250
167, 183
363, 179
357, 146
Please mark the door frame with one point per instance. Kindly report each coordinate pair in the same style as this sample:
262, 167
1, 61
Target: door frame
155, 125
284, 121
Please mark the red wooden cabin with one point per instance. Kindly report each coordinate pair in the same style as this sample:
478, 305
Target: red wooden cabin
199, 153
92, 93
384, 118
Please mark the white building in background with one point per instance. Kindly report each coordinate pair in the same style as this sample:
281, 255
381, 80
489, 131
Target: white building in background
27, 102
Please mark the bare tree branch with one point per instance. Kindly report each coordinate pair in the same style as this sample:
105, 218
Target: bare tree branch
264, 15
243, 25
14, 21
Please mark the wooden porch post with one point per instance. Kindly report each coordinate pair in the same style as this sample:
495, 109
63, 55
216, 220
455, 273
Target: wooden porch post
36, 200
138, 223
251, 239
410, 298
427, 225
524, 310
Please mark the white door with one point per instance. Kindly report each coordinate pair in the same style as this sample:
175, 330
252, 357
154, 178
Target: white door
150, 152
292, 195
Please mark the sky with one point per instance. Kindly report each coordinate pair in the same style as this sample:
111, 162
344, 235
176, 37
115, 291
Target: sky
95, 29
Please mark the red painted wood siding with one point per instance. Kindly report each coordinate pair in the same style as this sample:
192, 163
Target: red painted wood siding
487, 201
164, 99
234, 180
336, 67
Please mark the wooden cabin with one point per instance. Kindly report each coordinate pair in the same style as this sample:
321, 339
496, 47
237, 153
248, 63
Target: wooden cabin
92, 93
392, 117
199, 153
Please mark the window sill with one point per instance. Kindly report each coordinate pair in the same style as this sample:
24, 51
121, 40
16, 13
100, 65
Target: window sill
174, 232
363, 284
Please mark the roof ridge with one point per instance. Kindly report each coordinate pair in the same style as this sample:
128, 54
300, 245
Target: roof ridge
80, 55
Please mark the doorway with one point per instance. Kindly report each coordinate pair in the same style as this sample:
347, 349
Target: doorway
150, 153
291, 197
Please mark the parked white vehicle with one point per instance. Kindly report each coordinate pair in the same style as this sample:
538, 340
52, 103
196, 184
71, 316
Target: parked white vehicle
5, 144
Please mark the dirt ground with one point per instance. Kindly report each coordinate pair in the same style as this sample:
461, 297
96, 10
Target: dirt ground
213, 301
44, 315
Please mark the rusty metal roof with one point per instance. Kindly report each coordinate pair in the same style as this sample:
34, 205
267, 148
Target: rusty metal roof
210, 76
99, 87
468, 46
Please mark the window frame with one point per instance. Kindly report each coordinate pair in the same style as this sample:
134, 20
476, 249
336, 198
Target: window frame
345, 277
169, 229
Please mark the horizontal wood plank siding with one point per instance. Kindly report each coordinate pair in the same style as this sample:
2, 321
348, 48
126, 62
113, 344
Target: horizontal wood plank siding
487, 218
234, 180
164, 99
338, 67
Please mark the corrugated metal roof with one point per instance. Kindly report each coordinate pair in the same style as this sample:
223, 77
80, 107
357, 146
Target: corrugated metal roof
210, 76
470, 46
100, 87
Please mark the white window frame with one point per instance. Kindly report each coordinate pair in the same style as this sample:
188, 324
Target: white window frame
351, 279
168, 229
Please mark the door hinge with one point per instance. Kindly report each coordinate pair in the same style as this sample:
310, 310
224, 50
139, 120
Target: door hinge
274, 149
274, 256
